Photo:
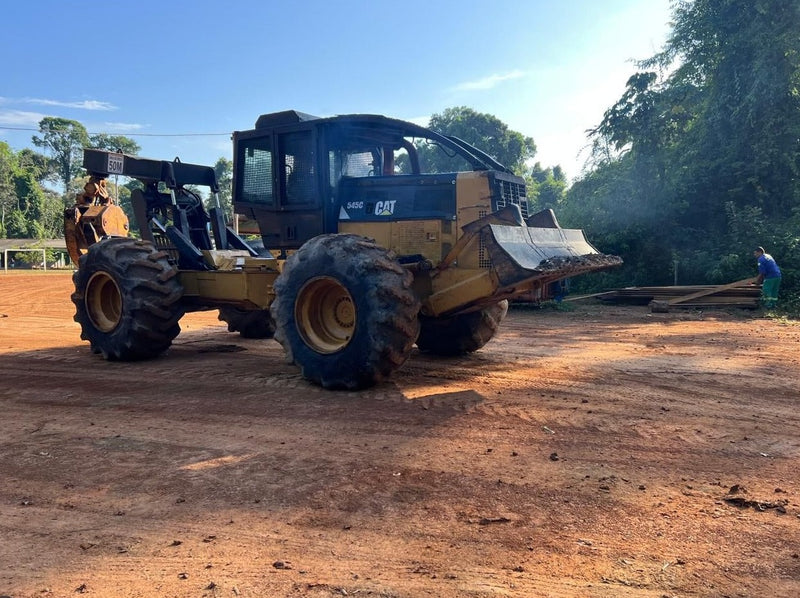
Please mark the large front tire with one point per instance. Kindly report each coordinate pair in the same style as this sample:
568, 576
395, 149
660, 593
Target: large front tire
345, 312
461, 334
127, 299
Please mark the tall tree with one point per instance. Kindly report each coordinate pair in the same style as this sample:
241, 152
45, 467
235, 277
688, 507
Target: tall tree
26, 208
700, 157
223, 169
486, 132
745, 57
8, 197
32, 204
65, 140
114, 143
35, 163
546, 187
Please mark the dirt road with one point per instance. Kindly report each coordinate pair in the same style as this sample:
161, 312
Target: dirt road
603, 451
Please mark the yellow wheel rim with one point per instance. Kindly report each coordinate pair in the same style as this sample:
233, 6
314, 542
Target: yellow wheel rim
103, 302
325, 315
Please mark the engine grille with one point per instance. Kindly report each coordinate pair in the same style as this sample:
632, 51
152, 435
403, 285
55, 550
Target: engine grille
512, 192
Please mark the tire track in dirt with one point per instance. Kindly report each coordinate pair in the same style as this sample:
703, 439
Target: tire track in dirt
578, 454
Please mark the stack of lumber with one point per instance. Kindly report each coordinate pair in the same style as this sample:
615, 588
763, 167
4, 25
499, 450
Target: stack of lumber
745, 296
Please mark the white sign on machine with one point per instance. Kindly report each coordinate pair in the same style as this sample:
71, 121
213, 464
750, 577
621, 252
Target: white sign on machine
115, 163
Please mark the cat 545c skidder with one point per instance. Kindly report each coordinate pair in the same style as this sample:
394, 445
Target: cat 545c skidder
377, 234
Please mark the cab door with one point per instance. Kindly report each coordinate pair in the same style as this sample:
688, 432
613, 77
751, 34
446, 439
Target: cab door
280, 186
298, 217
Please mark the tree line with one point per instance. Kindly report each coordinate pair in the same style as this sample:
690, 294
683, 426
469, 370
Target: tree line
31, 208
697, 163
29, 205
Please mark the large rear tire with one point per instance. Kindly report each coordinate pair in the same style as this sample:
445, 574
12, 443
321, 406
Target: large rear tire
127, 299
460, 334
345, 312
249, 323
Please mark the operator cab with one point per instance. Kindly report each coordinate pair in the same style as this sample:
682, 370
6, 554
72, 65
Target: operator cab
299, 175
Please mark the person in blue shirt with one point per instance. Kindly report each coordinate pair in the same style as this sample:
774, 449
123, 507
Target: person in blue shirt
769, 277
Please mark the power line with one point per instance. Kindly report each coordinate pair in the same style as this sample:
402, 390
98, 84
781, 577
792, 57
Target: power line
131, 134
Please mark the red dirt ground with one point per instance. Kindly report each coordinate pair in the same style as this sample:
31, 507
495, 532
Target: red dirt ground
603, 451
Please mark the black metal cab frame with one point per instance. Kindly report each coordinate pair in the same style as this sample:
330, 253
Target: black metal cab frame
294, 172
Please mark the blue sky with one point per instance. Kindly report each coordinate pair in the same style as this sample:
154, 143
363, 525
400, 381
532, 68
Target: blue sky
547, 69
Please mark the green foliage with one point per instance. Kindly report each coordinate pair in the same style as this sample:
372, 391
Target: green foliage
27, 210
37, 164
53, 215
746, 56
64, 139
484, 131
16, 225
114, 143
224, 172
8, 198
123, 194
699, 160
30, 197
546, 187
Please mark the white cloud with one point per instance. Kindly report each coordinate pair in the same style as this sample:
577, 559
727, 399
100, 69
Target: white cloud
83, 105
20, 118
488, 82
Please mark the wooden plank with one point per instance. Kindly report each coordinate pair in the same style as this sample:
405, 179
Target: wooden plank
710, 296
711, 291
579, 297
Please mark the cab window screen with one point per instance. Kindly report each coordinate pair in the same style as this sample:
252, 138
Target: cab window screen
299, 168
257, 173
350, 164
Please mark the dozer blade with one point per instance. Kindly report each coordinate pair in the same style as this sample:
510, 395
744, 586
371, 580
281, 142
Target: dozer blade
523, 254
